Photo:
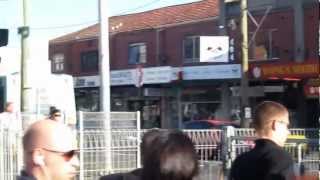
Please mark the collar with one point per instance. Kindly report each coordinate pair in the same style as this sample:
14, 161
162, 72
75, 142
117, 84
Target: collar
25, 176
265, 142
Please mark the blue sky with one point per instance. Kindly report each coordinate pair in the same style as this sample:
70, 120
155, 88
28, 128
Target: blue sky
52, 18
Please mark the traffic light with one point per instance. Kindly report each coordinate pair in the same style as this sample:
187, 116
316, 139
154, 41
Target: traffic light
4, 37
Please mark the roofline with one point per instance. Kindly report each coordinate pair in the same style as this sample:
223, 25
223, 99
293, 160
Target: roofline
156, 27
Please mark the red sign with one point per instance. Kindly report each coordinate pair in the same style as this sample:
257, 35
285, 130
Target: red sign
288, 70
312, 88
312, 91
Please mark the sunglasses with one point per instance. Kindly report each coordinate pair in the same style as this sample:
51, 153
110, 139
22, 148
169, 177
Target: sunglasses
57, 115
66, 155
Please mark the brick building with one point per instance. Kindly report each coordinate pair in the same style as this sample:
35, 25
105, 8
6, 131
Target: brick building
156, 68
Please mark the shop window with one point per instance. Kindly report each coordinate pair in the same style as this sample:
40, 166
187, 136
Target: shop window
58, 62
191, 49
89, 61
137, 53
87, 99
262, 47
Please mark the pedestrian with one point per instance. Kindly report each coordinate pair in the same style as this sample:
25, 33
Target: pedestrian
55, 115
49, 152
267, 160
171, 157
146, 144
10, 118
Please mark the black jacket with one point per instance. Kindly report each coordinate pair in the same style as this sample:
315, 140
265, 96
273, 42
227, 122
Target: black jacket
25, 176
133, 175
266, 161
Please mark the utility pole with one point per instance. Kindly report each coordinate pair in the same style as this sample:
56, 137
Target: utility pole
245, 109
25, 85
105, 75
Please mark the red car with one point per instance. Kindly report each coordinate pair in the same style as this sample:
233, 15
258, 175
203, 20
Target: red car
208, 124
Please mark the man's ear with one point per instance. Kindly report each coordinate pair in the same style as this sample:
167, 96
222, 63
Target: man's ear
38, 158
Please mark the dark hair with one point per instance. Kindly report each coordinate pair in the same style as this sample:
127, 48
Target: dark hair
147, 140
172, 157
265, 113
54, 110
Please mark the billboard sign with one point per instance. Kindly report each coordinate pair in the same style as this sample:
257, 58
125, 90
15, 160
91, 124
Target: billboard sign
214, 49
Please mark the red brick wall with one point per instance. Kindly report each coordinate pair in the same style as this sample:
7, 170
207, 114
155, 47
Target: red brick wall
283, 38
311, 24
172, 45
171, 41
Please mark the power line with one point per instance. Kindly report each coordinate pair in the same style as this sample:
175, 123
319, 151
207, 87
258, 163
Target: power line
88, 22
63, 26
58, 27
137, 8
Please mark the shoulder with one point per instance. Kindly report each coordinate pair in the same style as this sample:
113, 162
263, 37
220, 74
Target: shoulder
278, 155
117, 176
240, 162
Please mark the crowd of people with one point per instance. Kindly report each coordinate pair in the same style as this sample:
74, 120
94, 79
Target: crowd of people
50, 152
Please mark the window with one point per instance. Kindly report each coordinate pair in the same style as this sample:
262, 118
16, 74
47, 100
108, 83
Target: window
262, 46
89, 61
137, 53
191, 46
58, 62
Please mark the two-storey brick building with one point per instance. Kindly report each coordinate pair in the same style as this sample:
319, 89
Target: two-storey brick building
155, 66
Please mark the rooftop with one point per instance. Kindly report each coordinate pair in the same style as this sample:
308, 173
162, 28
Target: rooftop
156, 18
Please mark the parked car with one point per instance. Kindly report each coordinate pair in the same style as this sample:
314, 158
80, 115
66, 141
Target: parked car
209, 124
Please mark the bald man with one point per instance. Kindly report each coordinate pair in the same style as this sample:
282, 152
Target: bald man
49, 152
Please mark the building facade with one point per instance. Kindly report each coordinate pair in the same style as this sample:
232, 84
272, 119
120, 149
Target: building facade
157, 68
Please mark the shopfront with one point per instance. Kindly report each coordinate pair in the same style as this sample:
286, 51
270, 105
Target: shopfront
295, 85
87, 93
164, 98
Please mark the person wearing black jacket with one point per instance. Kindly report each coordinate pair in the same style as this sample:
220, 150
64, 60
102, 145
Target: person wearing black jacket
267, 160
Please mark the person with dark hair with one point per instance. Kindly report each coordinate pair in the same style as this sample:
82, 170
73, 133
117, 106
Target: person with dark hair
146, 144
172, 157
267, 160
55, 114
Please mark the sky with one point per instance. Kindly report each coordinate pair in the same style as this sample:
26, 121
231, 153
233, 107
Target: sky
53, 18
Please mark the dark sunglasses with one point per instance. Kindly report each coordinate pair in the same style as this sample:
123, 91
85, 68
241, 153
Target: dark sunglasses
57, 115
66, 155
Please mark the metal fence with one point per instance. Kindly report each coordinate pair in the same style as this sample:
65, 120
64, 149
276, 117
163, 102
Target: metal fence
302, 144
214, 147
10, 154
209, 145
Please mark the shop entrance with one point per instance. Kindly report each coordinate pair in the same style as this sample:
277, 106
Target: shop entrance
150, 112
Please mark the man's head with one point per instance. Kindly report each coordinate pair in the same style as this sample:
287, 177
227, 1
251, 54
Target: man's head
55, 114
49, 151
271, 120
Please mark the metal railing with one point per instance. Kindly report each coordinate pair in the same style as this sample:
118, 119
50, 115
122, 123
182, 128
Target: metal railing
10, 154
214, 147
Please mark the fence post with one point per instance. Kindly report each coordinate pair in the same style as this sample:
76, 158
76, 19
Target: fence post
227, 151
81, 129
138, 140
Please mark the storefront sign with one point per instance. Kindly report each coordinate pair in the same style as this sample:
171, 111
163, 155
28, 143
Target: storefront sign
123, 77
230, 71
312, 91
312, 88
292, 70
86, 81
154, 75
157, 75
